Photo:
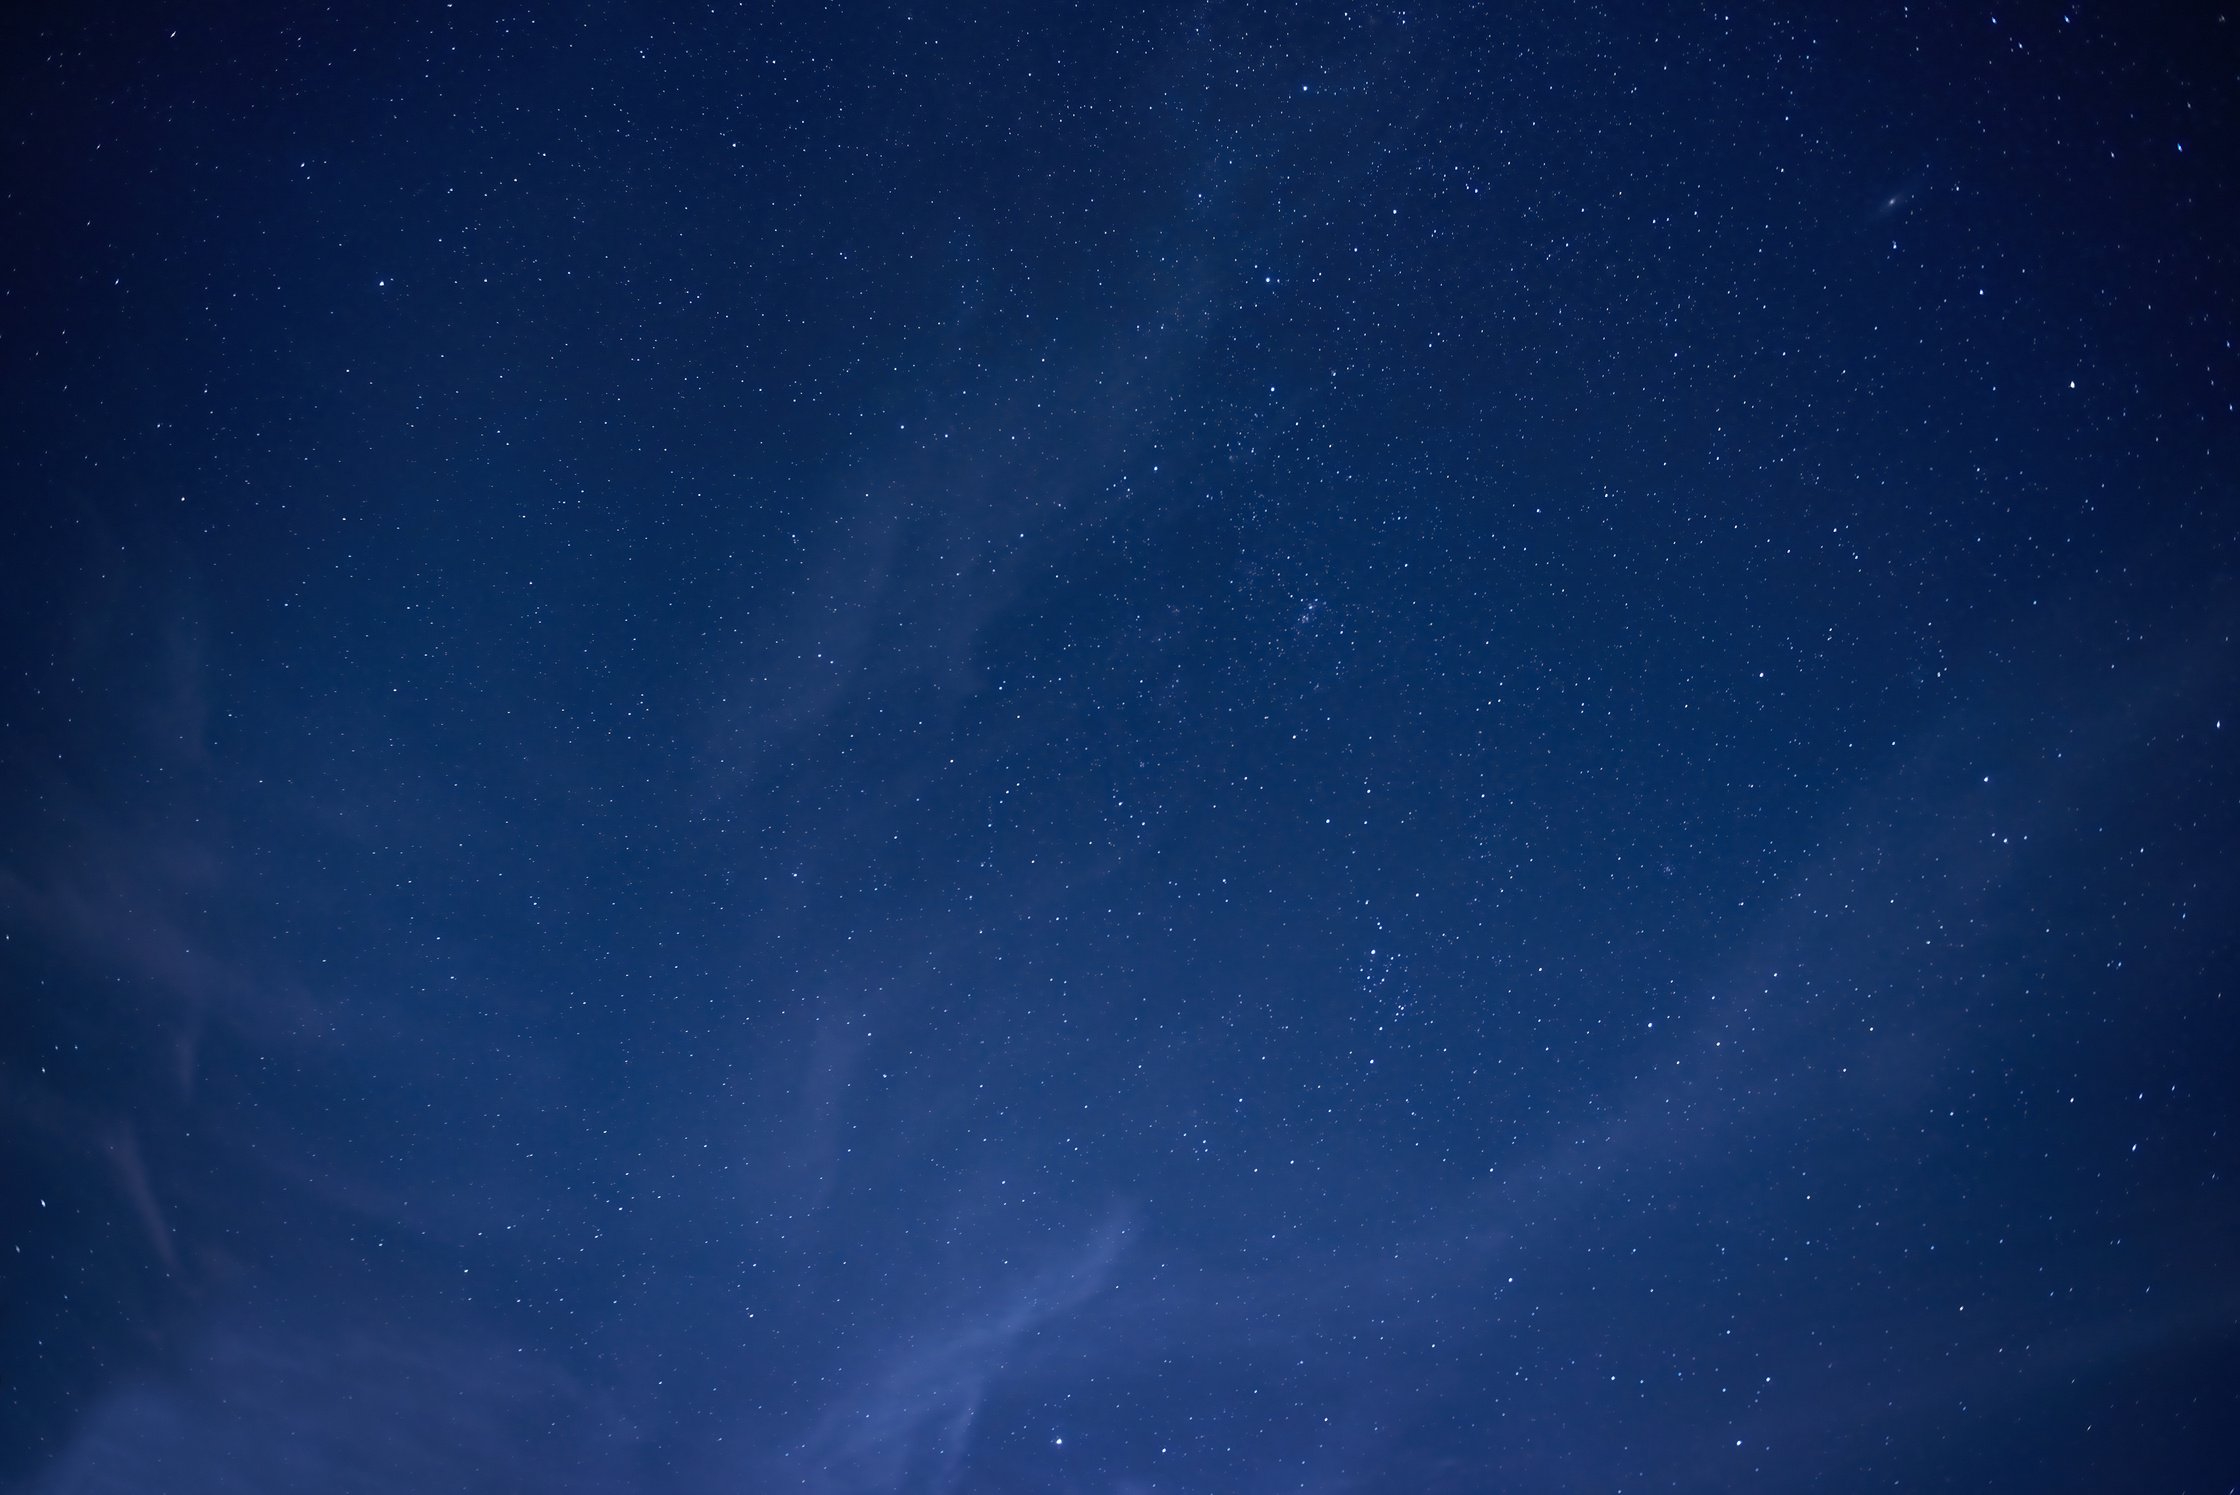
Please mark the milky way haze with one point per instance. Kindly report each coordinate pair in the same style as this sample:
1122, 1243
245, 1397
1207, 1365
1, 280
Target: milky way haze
1081, 751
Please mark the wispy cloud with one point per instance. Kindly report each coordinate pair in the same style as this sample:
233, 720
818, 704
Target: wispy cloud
905, 1427
260, 1406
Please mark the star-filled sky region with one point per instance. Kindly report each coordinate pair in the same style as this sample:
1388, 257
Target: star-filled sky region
1073, 749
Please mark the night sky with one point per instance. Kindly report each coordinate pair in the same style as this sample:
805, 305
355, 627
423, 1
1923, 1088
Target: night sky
1065, 750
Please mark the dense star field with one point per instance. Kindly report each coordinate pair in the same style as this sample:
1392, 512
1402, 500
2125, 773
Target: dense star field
1070, 750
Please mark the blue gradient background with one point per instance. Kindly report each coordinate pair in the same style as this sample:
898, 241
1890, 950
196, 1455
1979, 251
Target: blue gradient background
906, 751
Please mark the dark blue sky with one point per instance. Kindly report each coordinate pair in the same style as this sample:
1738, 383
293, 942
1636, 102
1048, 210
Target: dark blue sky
1076, 751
